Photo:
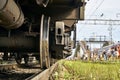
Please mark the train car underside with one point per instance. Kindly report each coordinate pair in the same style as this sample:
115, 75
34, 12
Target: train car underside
41, 28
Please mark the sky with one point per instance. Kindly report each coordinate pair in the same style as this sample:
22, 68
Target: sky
100, 9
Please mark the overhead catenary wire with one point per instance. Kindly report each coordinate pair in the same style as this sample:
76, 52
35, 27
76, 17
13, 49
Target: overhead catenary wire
97, 8
94, 10
100, 22
87, 13
91, 7
105, 15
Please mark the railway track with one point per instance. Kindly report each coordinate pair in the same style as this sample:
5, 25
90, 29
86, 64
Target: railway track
44, 75
32, 72
11, 71
6, 67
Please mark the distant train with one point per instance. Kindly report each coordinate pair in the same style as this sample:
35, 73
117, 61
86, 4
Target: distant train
38, 27
115, 47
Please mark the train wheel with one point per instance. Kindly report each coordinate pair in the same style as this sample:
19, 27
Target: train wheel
44, 42
18, 58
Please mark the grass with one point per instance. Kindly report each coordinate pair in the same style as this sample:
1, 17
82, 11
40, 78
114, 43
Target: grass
79, 70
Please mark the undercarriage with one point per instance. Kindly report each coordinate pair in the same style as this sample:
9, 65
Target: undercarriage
41, 28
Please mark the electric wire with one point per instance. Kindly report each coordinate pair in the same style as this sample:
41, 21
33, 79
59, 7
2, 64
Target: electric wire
97, 8
92, 7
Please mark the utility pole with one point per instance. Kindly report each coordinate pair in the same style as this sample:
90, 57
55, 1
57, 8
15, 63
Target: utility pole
110, 33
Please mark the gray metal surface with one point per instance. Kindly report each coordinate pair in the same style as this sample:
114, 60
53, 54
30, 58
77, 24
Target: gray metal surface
3, 4
11, 16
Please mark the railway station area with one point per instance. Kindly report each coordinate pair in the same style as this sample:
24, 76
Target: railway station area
59, 40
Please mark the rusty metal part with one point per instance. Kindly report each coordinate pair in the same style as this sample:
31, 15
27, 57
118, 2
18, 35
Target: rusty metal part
44, 42
11, 16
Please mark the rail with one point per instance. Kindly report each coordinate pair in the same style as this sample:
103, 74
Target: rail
45, 75
5, 67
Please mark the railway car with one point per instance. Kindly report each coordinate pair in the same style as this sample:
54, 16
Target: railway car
38, 27
112, 47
